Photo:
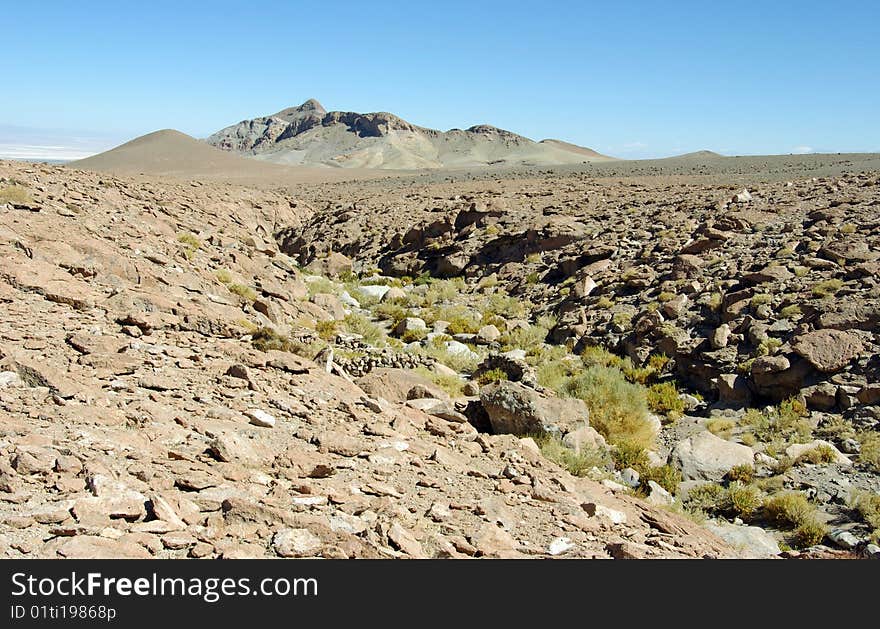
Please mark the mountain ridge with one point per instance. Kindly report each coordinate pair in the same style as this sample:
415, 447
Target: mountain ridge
308, 134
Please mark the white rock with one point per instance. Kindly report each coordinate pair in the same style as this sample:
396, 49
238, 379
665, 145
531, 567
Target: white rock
296, 543
560, 545
9, 379
374, 290
348, 300
707, 457
659, 496
754, 542
796, 450
260, 418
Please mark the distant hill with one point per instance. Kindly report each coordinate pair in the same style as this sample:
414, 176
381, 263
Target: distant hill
170, 152
310, 135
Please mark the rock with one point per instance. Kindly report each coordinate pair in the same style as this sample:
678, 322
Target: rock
395, 385
517, 409
720, 336
659, 496
260, 418
10, 379
828, 350
512, 365
584, 438
394, 294
844, 539
753, 542
707, 457
742, 197
410, 324
796, 450
333, 265
488, 334
230, 447
460, 349
584, 287
559, 546
733, 391
296, 543
405, 541
595, 510
91, 547
376, 291
630, 477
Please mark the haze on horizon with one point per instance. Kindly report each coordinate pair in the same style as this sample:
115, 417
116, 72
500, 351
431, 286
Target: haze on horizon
636, 81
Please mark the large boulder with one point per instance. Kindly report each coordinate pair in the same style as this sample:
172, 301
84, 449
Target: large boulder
706, 457
828, 350
515, 408
753, 542
395, 385
334, 265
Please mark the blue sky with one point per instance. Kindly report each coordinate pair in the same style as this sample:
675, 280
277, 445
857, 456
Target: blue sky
633, 79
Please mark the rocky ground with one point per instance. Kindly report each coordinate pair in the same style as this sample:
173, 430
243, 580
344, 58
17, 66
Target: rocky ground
542, 365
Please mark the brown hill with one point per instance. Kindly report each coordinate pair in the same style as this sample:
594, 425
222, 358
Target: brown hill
172, 153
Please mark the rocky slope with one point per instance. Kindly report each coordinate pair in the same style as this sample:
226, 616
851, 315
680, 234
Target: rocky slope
308, 134
150, 405
761, 301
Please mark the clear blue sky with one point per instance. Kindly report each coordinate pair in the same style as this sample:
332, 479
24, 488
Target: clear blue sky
633, 79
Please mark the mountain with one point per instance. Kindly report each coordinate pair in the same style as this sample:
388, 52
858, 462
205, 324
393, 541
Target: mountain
172, 153
310, 135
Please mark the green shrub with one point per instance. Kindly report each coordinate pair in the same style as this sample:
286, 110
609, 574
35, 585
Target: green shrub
327, 330
414, 335
827, 288
868, 505
492, 375
809, 533
721, 426
191, 243
741, 473
322, 285
706, 498
822, 453
452, 384
395, 313
356, 323
224, 276
16, 195
666, 476
791, 312
618, 409
245, 292
761, 299
663, 398
577, 464
788, 509
870, 449
743, 500
628, 454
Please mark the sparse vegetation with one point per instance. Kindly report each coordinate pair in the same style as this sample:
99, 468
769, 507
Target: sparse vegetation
827, 288
577, 463
16, 195
245, 292
721, 426
822, 453
191, 243
791, 509
791, 312
618, 409
492, 375
663, 398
